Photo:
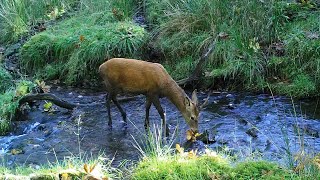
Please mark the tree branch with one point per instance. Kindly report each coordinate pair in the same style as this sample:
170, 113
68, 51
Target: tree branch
195, 75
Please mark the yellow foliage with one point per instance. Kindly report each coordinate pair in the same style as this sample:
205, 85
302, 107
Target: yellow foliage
192, 136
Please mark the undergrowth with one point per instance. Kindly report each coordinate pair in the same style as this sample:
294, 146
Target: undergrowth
9, 102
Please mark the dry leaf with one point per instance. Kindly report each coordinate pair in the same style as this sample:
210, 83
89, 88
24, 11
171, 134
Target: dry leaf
81, 38
179, 149
86, 169
65, 176
192, 154
191, 136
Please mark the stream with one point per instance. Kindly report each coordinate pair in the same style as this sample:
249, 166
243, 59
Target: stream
240, 123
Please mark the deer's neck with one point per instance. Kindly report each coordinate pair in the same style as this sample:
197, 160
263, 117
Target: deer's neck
176, 95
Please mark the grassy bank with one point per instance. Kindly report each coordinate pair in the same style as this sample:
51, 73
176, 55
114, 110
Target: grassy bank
73, 49
171, 167
269, 45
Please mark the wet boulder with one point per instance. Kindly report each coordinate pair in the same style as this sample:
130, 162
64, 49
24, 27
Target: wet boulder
253, 132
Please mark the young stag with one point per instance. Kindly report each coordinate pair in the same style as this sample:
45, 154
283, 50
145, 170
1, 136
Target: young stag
122, 75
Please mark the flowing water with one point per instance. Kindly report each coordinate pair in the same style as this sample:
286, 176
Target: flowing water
241, 124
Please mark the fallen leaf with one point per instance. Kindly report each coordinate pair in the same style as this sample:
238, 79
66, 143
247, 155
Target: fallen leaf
86, 169
179, 149
192, 154
81, 38
16, 151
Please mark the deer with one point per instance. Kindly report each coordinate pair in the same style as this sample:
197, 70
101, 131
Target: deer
121, 75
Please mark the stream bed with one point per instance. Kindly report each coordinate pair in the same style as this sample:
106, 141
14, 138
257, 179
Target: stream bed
240, 123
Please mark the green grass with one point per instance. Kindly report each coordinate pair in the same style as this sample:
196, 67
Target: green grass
74, 49
71, 168
175, 167
207, 167
9, 101
18, 16
5, 79
188, 27
183, 30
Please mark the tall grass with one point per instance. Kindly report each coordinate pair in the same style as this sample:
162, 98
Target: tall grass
18, 16
188, 27
183, 30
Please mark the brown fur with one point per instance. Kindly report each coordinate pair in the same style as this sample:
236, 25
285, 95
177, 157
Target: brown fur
150, 79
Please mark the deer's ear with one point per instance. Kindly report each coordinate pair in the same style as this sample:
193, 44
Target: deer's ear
194, 97
186, 101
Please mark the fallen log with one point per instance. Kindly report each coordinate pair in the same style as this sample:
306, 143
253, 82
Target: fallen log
47, 96
30, 98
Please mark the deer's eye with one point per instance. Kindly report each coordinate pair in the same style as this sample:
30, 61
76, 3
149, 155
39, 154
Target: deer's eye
192, 118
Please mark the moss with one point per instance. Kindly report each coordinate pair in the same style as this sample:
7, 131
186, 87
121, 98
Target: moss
207, 167
261, 170
179, 168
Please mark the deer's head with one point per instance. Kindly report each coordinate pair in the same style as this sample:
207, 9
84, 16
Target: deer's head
192, 111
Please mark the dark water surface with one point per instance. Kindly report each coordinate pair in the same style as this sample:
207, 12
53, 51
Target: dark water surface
241, 124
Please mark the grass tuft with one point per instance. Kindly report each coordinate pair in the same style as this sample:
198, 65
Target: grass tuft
74, 49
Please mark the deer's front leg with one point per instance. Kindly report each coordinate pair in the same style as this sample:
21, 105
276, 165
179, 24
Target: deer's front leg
108, 100
157, 104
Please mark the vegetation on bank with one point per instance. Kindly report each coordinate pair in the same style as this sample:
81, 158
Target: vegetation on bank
71, 168
270, 45
73, 50
9, 102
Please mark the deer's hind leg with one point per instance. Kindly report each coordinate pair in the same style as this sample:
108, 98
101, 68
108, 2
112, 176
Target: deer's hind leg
123, 113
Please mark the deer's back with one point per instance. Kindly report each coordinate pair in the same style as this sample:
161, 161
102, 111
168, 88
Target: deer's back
133, 76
